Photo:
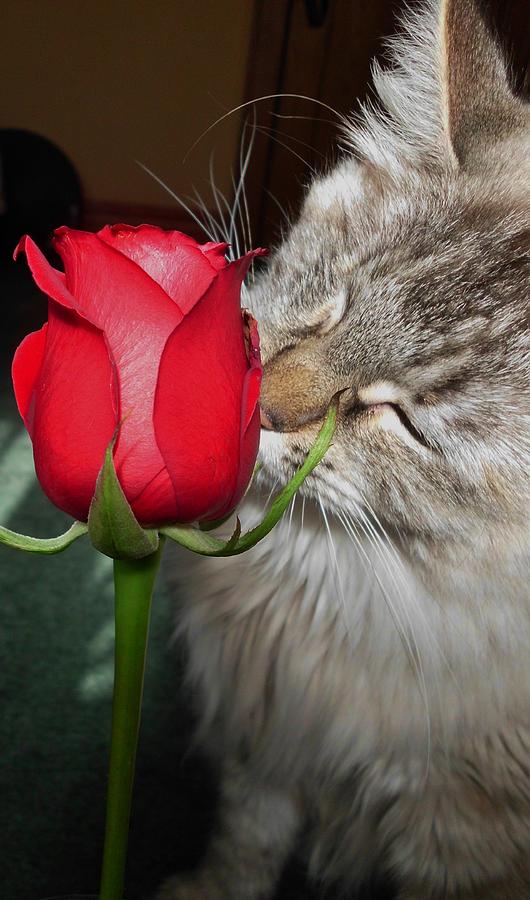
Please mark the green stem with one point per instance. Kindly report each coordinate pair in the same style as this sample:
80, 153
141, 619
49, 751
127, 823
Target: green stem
133, 585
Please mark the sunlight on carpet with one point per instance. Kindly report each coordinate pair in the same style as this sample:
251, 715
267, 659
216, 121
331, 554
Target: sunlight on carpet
17, 474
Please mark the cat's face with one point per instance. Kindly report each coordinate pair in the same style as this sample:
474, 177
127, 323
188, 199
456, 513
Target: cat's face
405, 286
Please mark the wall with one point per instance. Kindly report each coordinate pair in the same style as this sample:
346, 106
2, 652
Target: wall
114, 81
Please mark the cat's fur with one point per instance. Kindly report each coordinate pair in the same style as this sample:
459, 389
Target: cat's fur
364, 673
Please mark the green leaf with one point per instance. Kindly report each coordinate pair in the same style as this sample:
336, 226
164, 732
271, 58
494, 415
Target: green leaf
42, 545
112, 525
208, 545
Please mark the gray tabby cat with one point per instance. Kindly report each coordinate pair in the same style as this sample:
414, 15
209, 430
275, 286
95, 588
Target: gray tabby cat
364, 673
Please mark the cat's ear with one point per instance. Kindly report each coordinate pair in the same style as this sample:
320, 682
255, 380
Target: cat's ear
445, 95
479, 107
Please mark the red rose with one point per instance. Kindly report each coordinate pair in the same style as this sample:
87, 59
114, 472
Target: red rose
144, 330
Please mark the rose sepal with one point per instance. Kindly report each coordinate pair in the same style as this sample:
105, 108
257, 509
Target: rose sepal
112, 526
207, 544
47, 546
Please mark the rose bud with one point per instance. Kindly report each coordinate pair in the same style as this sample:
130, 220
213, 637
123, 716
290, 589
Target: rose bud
145, 336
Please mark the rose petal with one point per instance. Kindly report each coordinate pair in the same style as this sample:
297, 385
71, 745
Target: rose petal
249, 441
175, 261
49, 280
251, 390
108, 287
25, 371
137, 317
252, 339
155, 504
250, 415
74, 417
216, 254
197, 413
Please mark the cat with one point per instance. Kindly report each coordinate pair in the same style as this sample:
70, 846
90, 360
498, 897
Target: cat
363, 675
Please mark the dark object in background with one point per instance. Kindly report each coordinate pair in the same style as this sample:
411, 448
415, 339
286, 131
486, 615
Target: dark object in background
39, 188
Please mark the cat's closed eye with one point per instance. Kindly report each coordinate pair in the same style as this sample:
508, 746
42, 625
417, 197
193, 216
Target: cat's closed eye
390, 414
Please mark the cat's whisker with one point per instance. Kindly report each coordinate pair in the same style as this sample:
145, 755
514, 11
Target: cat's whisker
282, 209
377, 522
392, 564
273, 135
272, 132
397, 569
219, 198
341, 118
303, 512
291, 511
179, 200
381, 548
369, 568
278, 115
240, 200
419, 612
333, 554
407, 638
214, 226
400, 573
271, 492
244, 162
246, 220
240, 242
408, 630
351, 529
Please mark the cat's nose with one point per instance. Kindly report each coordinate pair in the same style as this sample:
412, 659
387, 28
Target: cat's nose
293, 394
291, 419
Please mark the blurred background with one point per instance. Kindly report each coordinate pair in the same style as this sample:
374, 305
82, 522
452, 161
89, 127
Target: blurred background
90, 92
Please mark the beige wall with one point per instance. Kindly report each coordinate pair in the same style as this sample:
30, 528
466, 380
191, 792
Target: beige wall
112, 81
